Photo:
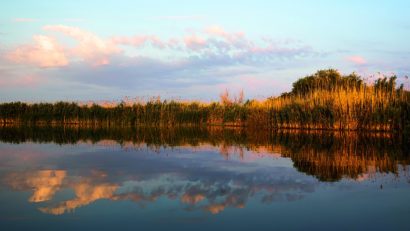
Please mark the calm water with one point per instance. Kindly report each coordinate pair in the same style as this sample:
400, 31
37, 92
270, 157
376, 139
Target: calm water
201, 179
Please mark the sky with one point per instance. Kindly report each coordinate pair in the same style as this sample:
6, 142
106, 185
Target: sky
111, 50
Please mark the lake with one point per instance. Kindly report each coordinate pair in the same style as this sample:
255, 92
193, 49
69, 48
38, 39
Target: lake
187, 178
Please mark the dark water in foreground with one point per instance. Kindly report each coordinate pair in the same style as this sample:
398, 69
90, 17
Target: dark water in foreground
201, 179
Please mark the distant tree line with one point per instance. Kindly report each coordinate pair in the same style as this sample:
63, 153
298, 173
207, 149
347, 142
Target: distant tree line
324, 100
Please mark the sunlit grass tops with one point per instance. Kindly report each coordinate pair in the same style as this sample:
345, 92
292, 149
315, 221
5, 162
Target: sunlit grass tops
324, 100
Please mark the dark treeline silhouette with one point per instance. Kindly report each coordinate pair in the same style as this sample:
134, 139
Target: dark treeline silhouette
329, 156
325, 100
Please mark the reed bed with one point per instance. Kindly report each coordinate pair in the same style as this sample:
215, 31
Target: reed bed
325, 100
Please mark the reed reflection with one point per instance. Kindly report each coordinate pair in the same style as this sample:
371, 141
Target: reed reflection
329, 156
198, 184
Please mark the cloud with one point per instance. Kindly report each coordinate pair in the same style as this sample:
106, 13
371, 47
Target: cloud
358, 60
209, 47
195, 42
219, 31
215, 44
45, 52
23, 81
215, 30
89, 47
139, 41
24, 20
194, 62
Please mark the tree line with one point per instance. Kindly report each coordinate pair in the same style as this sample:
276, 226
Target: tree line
324, 100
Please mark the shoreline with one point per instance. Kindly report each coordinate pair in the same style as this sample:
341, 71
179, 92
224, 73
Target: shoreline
114, 125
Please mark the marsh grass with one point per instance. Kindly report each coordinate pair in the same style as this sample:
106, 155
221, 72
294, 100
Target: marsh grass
324, 100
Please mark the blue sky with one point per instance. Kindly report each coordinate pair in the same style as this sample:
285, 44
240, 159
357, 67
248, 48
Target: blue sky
89, 50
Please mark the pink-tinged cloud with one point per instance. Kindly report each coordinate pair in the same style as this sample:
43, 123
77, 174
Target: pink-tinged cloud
139, 41
212, 46
215, 30
211, 38
195, 42
358, 60
219, 31
24, 20
22, 81
217, 43
29, 80
45, 52
235, 39
89, 47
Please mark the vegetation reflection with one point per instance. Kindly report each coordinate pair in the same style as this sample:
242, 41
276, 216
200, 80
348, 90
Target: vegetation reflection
329, 156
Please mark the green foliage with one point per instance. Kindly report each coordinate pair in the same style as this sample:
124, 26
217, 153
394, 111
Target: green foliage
328, 80
324, 100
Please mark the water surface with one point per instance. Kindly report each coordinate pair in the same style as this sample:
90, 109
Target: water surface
201, 179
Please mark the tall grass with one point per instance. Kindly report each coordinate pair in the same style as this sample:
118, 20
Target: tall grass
328, 100
324, 100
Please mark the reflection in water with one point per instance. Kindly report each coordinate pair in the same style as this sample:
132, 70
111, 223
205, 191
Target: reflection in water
255, 165
210, 195
44, 183
329, 156
86, 192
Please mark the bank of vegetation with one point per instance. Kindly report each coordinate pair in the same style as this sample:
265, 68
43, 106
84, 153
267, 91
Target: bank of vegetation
324, 100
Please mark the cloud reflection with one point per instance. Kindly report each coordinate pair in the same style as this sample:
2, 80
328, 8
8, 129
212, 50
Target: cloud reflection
44, 183
194, 193
202, 170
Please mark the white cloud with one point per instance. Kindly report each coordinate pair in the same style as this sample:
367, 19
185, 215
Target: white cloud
45, 52
89, 47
